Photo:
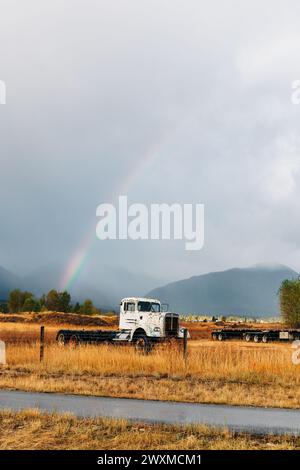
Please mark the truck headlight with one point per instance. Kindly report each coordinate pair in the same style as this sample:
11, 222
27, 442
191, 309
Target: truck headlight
156, 329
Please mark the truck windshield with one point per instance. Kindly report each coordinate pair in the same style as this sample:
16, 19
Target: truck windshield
148, 307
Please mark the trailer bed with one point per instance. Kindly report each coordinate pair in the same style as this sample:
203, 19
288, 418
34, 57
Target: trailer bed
85, 336
256, 335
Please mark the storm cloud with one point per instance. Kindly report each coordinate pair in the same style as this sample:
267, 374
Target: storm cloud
163, 101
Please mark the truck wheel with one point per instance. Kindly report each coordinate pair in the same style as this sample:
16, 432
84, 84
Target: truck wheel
73, 341
265, 339
247, 338
142, 344
214, 337
256, 338
61, 340
220, 337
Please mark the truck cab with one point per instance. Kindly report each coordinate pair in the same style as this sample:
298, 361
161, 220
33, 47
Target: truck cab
142, 317
143, 322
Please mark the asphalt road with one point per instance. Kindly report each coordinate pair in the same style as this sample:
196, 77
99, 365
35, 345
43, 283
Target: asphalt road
238, 418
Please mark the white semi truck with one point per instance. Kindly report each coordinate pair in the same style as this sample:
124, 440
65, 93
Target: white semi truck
142, 322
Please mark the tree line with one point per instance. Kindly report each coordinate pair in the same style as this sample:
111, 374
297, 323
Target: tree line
25, 301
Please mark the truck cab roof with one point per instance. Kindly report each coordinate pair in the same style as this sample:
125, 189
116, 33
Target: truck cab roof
140, 299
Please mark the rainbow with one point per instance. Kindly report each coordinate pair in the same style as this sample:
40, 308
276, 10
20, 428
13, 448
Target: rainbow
81, 255
77, 262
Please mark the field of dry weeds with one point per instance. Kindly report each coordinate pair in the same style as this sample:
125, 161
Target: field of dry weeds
33, 430
229, 372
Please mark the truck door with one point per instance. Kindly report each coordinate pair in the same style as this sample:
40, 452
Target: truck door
128, 315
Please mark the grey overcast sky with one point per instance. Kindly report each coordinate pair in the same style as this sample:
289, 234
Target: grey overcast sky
165, 100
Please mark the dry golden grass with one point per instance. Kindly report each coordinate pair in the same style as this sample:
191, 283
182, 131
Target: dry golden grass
209, 360
56, 318
230, 372
33, 430
233, 372
27, 332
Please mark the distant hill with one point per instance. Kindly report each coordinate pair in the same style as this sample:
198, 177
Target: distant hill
243, 292
239, 291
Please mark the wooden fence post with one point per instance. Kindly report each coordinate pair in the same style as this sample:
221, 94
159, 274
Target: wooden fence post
42, 342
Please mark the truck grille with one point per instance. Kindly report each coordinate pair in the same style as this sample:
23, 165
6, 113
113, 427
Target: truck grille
171, 324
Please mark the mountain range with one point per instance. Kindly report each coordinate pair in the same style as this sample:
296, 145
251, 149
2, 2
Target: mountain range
239, 291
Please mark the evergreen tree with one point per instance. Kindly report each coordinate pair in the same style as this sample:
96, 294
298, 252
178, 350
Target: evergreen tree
289, 295
87, 307
52, 300
29, 305
64, 301
17, 299
76, 308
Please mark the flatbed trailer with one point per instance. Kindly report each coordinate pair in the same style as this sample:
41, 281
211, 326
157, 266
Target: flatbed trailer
75, 337
255, 335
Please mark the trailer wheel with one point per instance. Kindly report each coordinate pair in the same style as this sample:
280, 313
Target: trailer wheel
214, 337
61, 340
265, 339
73, 341
256, 338
142, 344
220, 337
248, 338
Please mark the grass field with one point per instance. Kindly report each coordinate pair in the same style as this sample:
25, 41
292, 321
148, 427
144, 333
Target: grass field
25, 327
33, 430
229, 372
235, 373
